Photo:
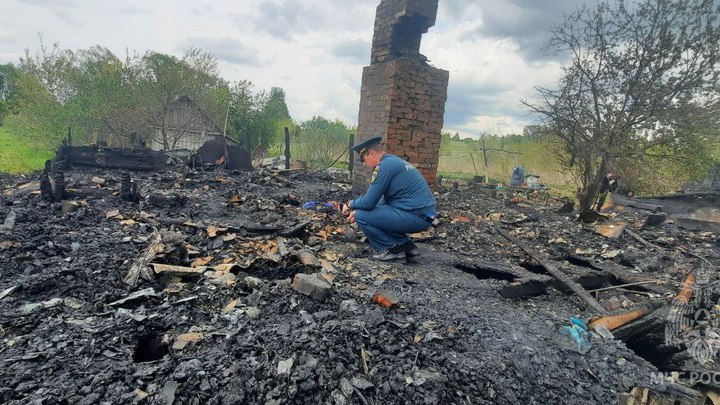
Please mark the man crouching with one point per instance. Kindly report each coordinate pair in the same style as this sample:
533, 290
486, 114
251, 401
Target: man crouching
397, 202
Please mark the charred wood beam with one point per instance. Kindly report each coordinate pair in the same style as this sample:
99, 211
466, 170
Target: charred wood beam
113, 158
643, 241
241, 229
555, 272
627, 202
295, 229
587, 278
524, 283
622, 276
140, 268
521, 283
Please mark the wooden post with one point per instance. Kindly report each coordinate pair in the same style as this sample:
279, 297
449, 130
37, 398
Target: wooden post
351, 156
287, 148
485, 160
225, 148
473, 162
69, 136
487, 181
226, 154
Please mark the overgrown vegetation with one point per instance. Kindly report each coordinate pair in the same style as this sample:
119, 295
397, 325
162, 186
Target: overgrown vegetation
18, 157
319, 142
633, 100
99, 95
503, 153
640, 89
660, 172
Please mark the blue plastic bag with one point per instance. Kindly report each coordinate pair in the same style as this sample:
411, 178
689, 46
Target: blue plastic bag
576, 336
311, 205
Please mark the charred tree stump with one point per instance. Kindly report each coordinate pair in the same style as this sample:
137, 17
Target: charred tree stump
46, 190
59, 186
129, 190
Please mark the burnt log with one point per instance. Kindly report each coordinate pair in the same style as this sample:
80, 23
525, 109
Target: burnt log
521, 283
140, 267
59, 179
620, 275
167, 200
628, 202
128, 159
555, 272
46, 190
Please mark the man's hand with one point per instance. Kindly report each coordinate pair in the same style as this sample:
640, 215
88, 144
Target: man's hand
342, 207
351, 217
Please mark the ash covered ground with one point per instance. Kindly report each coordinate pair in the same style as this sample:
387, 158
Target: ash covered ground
235, 331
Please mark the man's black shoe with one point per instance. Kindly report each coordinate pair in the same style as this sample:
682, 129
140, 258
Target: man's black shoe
411, 250
386, 255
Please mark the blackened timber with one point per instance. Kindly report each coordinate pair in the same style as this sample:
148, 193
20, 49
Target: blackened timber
295, 229
140, 268
46, 190
59, 179
622, 276
555, 272
628, 202
643, 241
287, 148
521, 283
351, 155
128, 159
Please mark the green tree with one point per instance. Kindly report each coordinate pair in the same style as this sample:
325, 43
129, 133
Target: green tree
8, 90
319, 141
247, 120
43, 90
275, 107
101, 95
636, 69
162, 80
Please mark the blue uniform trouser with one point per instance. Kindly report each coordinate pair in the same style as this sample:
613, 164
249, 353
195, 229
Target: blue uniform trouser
386, 226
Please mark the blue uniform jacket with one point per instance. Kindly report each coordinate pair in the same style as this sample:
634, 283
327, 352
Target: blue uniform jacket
400, 185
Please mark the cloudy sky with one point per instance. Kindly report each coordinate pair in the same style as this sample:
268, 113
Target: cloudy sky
316, 49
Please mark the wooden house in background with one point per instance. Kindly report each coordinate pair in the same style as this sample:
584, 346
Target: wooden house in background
186, 127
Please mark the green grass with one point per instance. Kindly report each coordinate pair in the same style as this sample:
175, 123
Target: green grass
17, 157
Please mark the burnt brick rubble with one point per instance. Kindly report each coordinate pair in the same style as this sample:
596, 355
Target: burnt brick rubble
237, 332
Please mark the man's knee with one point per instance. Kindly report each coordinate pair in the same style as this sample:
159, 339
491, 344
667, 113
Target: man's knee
361, 216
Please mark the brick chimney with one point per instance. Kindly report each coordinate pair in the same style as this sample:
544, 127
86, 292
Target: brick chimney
402, 97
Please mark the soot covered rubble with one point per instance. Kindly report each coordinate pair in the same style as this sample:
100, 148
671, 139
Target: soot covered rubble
229, 321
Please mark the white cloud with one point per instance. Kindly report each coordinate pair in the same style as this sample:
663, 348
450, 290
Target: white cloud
6, 36
314, 49
224, 49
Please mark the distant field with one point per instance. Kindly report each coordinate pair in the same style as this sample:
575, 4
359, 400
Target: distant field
461, 160
16, 157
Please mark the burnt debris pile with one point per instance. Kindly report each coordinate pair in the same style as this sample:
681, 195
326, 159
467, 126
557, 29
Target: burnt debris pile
223, 287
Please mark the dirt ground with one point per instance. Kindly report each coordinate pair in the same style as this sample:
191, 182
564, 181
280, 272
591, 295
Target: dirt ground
237, 332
